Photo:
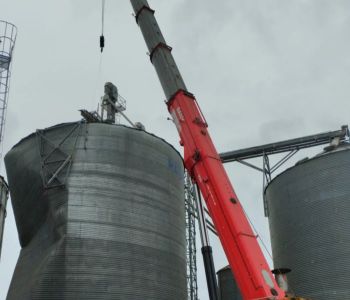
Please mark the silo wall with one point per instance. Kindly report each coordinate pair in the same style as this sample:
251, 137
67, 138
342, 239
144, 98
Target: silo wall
3, 205
309, 208
228, 289
100, 215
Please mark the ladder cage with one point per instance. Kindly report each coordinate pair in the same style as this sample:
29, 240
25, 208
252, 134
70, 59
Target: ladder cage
8, 34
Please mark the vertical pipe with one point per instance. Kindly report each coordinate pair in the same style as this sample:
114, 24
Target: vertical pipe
207, 251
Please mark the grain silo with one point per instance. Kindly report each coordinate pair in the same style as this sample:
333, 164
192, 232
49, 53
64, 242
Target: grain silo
228, 289
100, 214
309, 207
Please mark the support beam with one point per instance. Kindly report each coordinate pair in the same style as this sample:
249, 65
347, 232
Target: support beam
286, 146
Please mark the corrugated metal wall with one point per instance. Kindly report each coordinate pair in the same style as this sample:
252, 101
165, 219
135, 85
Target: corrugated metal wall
3, 204
228, 289
110, 225
309, 207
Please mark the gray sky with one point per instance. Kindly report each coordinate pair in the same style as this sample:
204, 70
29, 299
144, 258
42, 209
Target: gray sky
262, 71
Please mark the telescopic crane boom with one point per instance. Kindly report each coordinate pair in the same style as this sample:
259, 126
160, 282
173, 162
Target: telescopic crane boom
202, 161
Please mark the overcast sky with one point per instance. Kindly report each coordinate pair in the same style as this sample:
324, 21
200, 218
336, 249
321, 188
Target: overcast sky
262, 71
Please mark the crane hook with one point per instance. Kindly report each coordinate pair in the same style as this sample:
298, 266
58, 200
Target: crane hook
102, 42
102, 38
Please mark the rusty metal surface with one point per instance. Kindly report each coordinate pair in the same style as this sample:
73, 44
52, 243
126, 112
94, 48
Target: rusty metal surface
115, 229
310, 225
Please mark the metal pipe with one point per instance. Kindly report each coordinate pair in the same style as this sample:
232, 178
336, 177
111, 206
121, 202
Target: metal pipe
285, 146
281, 278
203, 230
207, 251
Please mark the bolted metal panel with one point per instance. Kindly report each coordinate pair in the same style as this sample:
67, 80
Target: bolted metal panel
114, 230
310, 226
228, 289
3, 204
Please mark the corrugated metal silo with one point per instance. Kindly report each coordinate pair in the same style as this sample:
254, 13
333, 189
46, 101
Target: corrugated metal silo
309, 207
3, 204
228, 289
100, 214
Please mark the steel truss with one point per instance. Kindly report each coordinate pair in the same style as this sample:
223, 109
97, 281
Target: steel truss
191, 251
56, 161
292, 146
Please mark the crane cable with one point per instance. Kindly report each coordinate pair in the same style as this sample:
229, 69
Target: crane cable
100, 60
102, 38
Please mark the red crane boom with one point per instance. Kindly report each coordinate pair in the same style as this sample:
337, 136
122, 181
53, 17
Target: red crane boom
202, 161
243, 252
